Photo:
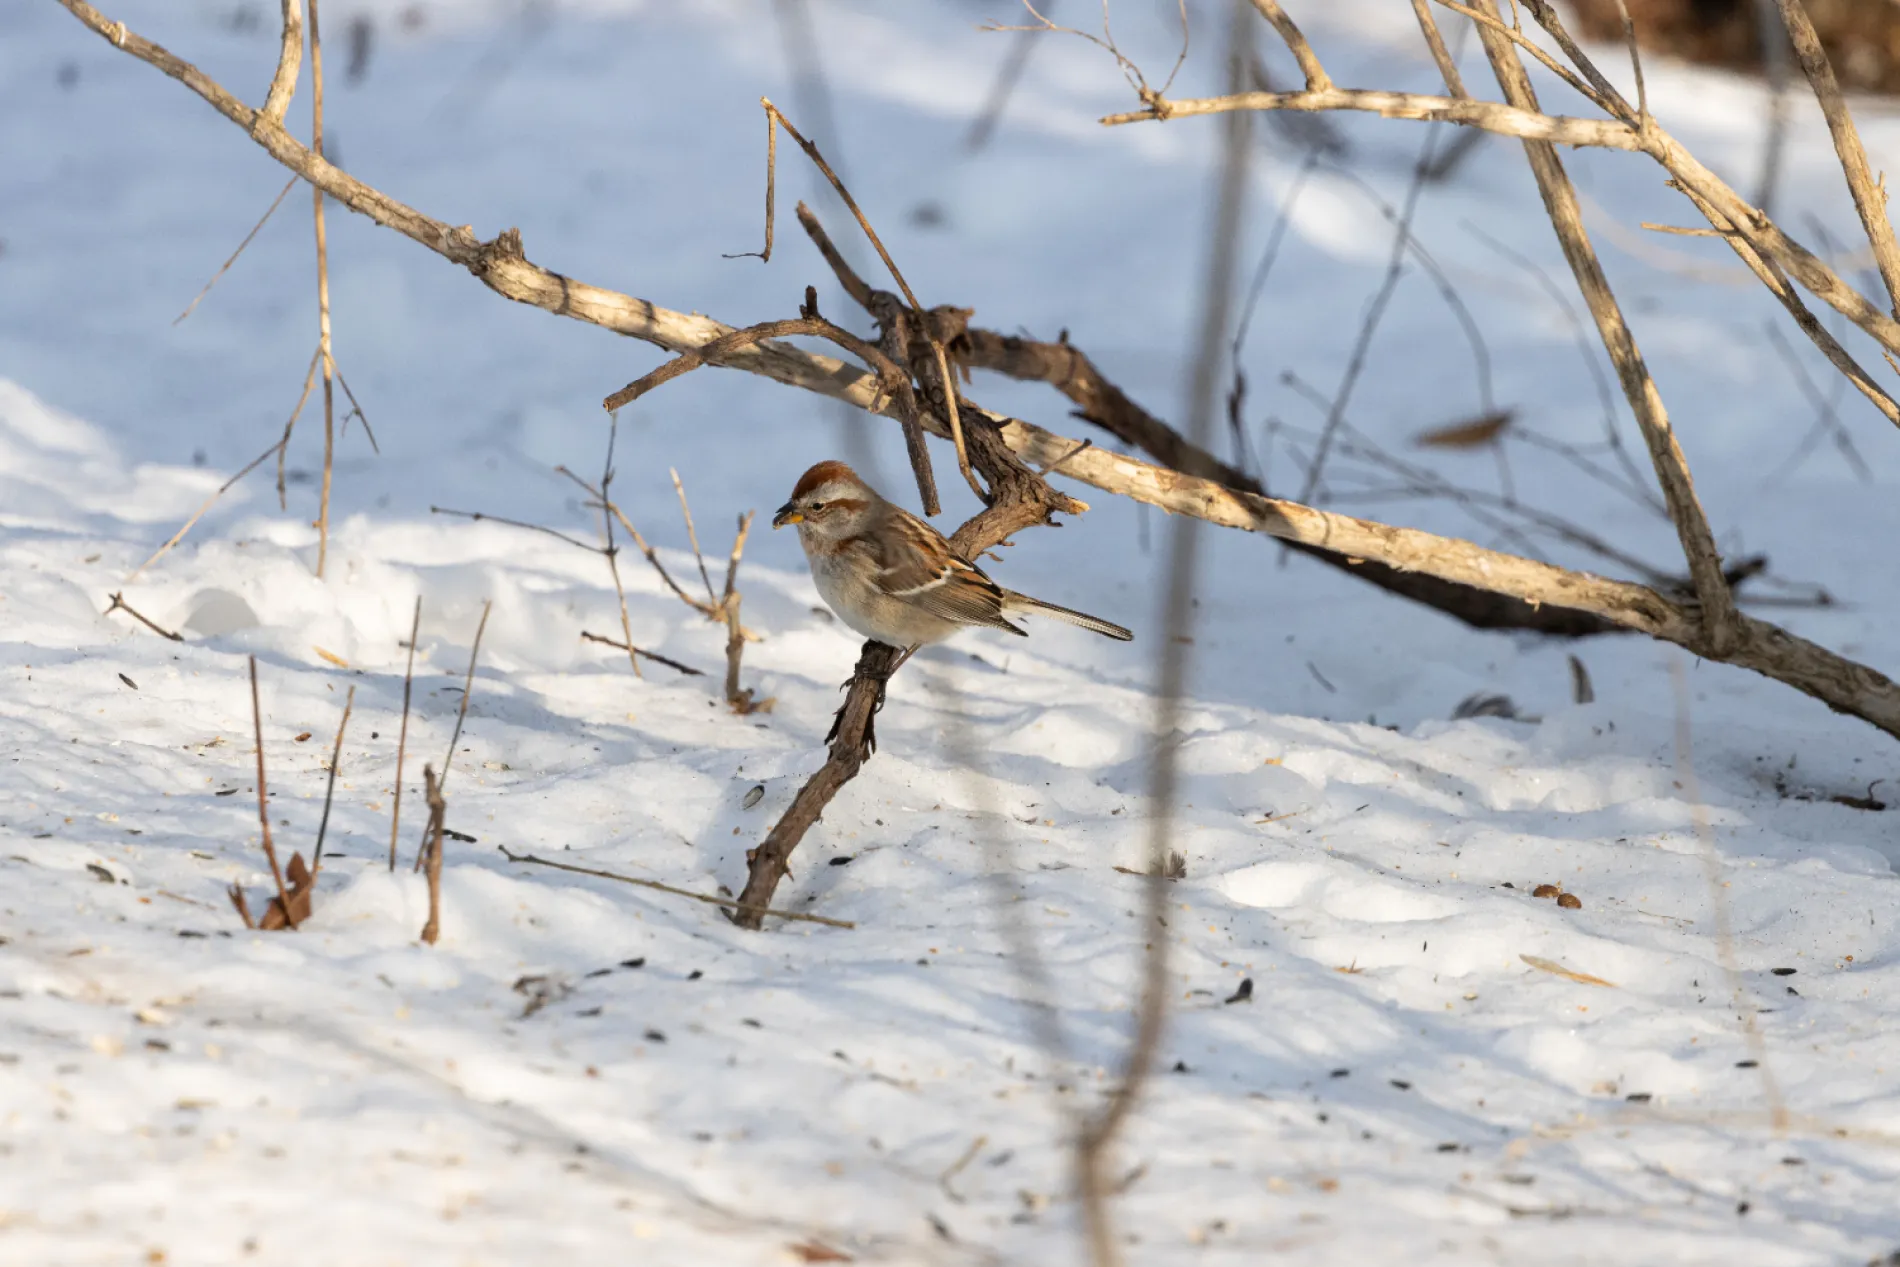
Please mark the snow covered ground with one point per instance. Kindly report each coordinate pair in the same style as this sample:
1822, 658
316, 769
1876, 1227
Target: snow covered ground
588, 1072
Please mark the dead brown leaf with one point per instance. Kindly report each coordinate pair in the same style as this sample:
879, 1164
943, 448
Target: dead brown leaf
817, 1252
1552, 966
1480, 431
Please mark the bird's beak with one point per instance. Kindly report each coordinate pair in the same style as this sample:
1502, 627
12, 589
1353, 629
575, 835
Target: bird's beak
787, 514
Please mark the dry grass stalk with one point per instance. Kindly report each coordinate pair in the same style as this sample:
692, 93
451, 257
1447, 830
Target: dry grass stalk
263, 791
1745, 1006
323, 298
692, 535
710, 900
455, 737
502, 265
329, 789
1096, 1137
612, 552
432, 851
402, 736
468, 689
740, 701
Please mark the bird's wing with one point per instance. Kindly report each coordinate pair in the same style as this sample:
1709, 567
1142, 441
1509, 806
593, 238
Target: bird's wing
918, 566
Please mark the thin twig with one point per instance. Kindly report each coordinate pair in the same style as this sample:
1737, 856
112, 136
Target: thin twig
263, 801
1002, 88
655, 885
356, 411
1827, 419
329, 789
605, 641
482, 515
119, 604
771, 196
225, 267
402, 736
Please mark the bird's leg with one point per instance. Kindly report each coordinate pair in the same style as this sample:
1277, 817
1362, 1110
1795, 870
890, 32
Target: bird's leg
863, 673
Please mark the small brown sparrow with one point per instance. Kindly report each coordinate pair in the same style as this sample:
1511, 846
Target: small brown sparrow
891, 576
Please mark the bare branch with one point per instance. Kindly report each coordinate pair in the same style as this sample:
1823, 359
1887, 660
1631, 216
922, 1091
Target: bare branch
1672, 471
1492, 116
282, 84
1317, 80
1843, 684
1441, 56
263, 791
1870, 195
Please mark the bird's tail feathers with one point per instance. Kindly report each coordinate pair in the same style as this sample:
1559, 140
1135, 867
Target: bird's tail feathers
1035, 606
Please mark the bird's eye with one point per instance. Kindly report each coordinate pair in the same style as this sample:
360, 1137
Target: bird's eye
817, 506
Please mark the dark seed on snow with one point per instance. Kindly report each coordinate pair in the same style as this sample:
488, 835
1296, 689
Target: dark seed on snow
1638, 1097
634, 963
1783, 972
1747, 1064
1340, 1073
1244, 993
842, 859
